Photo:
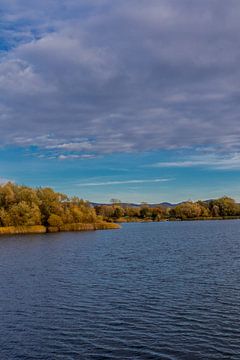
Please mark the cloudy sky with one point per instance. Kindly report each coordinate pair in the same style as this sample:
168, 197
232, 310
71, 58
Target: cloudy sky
131, 99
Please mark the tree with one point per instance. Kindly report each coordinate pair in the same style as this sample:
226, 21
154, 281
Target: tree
145, 211
115, 201
118, 212
24, 214
5, 219
55, 220
224, 206
7, 195
106, 211
22, 205
187, 210
49, 203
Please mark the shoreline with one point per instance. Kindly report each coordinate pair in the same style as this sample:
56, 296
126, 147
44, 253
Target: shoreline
41, 229
125, 221
77, 227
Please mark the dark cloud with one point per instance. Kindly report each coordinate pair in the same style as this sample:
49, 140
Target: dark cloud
120, 76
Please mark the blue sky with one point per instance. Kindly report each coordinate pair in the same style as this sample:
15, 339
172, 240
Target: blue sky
136, 100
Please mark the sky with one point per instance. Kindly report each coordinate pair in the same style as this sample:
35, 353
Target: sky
137, 100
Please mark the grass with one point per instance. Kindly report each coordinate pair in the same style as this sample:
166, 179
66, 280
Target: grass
38, 229
102, 225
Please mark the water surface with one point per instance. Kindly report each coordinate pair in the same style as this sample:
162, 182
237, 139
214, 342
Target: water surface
147, 291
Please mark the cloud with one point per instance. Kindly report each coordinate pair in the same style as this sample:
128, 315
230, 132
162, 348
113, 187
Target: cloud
75, 156
124, 182
217, 162
99, 77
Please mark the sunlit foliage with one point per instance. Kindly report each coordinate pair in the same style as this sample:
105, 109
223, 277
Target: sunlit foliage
219, 208
25, 206
21, 205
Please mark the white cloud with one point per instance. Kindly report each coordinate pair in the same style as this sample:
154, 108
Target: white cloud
124, 182
218, 162
75, 156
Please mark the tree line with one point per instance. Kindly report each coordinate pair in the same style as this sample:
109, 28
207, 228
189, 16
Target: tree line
224, 207
25, 206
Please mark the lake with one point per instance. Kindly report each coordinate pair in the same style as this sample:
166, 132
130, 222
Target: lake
166, 290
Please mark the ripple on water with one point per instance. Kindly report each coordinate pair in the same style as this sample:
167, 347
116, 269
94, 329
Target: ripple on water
148, 291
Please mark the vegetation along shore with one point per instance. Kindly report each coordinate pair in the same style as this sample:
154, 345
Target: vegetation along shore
28, 210
215, 209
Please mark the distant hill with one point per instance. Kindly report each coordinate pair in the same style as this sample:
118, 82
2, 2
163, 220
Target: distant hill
164, 204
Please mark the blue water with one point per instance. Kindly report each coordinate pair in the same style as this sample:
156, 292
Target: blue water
147, 291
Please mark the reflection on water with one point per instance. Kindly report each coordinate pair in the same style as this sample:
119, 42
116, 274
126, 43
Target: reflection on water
147, 291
